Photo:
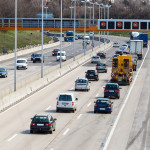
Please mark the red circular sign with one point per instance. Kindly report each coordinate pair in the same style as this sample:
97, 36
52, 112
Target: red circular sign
119, 24
135, 24
103, 24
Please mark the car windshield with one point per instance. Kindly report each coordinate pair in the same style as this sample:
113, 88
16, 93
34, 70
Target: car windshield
40, 119
2, 69
62, 54
21, 61
56, 50
100, 64
95, 57
38, 55
81, 81
111, 86
65, 98
102, 101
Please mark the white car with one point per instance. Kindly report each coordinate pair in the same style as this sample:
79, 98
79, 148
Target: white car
116, 44
66, 101
86, 39
63, 56
82, 84
21, 63
95, 59
91, 34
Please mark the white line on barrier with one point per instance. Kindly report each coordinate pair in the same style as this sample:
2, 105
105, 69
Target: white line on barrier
89, 104
48, 107
79, 116
12, 137
122, 108
66, 131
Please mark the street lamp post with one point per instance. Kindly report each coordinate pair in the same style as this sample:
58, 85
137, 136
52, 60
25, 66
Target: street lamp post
15, 57
108, 6
90, 15
71, 11
61, 38
42, 45
46, 11
93, 10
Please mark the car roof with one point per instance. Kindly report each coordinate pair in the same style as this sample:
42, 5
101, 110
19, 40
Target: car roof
21, 59
82, 79
62, 51
112, 84
91, 70
106, 99
42, 115
66, 94
101, 63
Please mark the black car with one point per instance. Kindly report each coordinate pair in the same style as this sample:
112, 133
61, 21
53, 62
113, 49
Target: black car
32, 56
80, 36
112, 90
92, 74
101, 54
101, 67
3, 72
120, 52
43, 123
38, 58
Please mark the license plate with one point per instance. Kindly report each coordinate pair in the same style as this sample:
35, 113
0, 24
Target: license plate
65, 104
91, 75
102, 108
40, 124
111, 90
20, 66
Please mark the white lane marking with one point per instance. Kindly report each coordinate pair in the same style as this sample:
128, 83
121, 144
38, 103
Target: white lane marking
123, 105
72, 88
51, 149
66, 131
79, 116
89, 104
12, 137
48, 107
96, 94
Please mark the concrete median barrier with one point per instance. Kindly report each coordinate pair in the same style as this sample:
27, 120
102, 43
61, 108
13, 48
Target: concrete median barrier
8, 97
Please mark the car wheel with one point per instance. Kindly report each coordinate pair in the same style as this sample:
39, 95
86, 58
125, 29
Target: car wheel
73, 110
31, 131
97, 79
75, 89
33, 61
51, 132
118, 97
54, 129
105, 96
106, 71
57, 110
110, 112
94, 111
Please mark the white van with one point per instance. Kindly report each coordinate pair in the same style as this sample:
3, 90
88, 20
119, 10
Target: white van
63, 56
21, 63
86, 39
66, 101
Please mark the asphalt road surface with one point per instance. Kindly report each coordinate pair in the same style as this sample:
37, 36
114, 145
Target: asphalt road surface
84, 130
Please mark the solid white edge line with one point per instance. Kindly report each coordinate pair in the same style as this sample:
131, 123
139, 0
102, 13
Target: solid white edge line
12, 137
89, 104
122, 108
66, 131
79, 116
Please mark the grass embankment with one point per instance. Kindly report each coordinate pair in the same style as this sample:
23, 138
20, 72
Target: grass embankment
7, 39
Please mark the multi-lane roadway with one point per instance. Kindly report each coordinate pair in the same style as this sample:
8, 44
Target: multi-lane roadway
126, 128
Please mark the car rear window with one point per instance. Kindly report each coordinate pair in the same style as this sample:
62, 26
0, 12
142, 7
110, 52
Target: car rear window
109, 86
81, 81
91, 71
40, 119
102, 101
38, 55
21, 61
65, 98
100, 64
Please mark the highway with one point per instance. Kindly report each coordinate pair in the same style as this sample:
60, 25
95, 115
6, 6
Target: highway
35, 68
84, 130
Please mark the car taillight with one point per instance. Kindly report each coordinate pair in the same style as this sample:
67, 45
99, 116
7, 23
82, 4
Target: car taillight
105, 66
57, 103
87, 83
105, 90
32, 124
96, 66
72, 103
48, 124
117, 91
109, 105
95, 104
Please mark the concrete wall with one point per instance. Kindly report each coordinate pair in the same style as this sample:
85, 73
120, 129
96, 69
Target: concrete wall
28, 86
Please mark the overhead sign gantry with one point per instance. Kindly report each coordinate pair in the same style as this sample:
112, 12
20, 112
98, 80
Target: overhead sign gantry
123, 25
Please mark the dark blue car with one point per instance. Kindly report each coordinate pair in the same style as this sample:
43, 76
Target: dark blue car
103, 105
112, 90
3, 72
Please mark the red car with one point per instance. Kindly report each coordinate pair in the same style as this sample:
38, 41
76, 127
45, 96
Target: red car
55, 51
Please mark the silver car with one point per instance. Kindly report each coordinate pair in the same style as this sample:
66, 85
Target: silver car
82, 84
95, 59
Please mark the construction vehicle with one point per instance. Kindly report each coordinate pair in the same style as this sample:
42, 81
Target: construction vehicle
122, 69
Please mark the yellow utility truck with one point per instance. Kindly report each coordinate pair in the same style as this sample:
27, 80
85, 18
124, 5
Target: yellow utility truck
122, 69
